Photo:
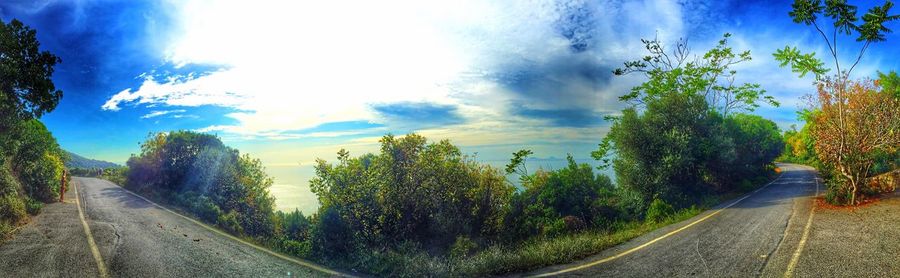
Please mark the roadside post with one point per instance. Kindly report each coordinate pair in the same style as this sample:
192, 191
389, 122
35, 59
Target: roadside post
62, 186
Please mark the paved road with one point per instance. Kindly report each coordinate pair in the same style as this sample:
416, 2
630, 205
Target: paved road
134, 238
757, 236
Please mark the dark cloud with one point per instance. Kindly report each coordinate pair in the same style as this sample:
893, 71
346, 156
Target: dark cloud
557, 78
419, 114
576, 23
564, 117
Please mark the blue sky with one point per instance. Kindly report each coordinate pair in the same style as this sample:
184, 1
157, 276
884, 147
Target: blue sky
290, 81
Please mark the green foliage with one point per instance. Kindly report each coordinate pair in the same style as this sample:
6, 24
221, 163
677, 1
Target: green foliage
890, 83
26, 88
659, 210
463, 247
573, 192
38, 160
428, 194
499, 260
757, 142
844, 21
662, 153
211, 180
31, 162
32, 206
688, 140
799, 147
710, 77
800, 63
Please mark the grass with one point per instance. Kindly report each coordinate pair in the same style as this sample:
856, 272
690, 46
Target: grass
564, 249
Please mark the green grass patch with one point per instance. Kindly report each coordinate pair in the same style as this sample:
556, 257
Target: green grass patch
539, 253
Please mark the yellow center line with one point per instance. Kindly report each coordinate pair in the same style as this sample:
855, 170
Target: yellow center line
101, 267
642, 246
796, 257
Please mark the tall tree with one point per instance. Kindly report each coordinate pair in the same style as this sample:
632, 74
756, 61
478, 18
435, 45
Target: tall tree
26, 90
868, 127
843, 149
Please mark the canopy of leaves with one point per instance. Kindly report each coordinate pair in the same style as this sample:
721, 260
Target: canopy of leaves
216, 182
853, 127
427, 193
709, 76
26, 90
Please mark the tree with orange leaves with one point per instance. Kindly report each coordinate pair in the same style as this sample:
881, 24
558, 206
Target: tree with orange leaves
854, 124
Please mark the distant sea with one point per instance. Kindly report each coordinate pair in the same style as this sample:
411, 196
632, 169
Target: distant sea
291, 187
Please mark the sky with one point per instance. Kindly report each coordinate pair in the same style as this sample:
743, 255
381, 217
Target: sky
292, 81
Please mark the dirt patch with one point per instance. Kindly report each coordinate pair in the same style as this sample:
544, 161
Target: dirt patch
824, 205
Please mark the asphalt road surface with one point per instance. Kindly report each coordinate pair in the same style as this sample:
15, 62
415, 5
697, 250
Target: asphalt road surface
757, 236
133, 238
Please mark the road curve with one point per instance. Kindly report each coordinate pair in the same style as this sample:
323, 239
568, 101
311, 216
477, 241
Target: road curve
756, 236
135, 238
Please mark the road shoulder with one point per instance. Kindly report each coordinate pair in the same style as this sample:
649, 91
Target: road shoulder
54, 237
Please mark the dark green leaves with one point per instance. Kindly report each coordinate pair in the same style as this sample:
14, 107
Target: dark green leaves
26, 90
873, 29
517, 160
806, 11
843, 14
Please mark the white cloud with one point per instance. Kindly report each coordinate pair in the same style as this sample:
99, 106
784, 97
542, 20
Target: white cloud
158, 113
291, 65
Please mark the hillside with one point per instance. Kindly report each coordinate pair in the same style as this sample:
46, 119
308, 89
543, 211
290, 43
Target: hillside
78, 161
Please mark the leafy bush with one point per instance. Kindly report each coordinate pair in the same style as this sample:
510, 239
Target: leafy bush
211, 180
413, 191
658, 211
33, 206
463, 247
12, 208
38, 160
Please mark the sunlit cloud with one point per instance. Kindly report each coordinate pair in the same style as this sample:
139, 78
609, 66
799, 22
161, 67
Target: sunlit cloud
158, 113
289, 66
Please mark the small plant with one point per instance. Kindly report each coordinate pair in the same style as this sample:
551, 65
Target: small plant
659, 210
33, 206
463, 247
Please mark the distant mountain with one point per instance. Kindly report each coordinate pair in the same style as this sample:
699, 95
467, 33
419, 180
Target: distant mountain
78, 161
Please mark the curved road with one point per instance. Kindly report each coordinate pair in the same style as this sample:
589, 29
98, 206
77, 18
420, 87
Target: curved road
755, 236
134, 238
761, 234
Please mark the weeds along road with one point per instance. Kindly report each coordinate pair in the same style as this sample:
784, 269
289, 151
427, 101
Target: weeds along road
131, 237
755, 236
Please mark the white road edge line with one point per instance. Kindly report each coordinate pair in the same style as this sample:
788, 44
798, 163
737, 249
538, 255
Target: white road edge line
101, 266
796, 257
260, 248
642, 246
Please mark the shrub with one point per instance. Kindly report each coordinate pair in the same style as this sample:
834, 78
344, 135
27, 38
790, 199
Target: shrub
463, 247
229, 222
12, 208
658, 211
200, 174
33, 206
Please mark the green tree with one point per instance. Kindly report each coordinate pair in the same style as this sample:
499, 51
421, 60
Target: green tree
710, 76
26, 90
844, 21
890, 83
